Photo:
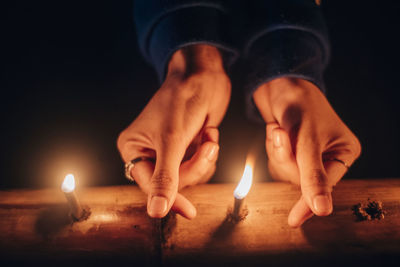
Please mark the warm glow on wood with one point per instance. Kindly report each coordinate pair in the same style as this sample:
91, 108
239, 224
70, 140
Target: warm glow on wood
69, 184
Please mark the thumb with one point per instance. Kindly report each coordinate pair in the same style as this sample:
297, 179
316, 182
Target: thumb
165, 179
313, 179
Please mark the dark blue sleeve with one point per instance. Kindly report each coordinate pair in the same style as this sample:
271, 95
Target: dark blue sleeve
287, 38
164, 26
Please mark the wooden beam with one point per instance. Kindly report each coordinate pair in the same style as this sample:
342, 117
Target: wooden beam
35, 226
264, 236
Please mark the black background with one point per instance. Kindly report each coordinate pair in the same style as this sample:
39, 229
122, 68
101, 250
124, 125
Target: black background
73, 78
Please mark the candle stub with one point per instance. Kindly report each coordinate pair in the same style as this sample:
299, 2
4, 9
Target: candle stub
239, 212
68, 187
74, 205
237, 206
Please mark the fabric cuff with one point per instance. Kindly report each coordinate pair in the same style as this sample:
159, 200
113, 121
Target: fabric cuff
189, 26
283, 53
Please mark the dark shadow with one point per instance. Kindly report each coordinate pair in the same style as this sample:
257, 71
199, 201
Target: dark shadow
328, 233
52, 220
292, 121
342, 235
336, 240
224, 231
167, 224
293, 258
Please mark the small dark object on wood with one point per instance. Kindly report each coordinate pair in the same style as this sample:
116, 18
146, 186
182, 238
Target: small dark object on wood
370, 211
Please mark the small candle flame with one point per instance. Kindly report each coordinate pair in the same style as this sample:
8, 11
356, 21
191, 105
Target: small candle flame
69, 184
244, 185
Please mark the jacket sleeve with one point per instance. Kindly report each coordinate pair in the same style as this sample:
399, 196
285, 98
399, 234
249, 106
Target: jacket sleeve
164, 26
288, 39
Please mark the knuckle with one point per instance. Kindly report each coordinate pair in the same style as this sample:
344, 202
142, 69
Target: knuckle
124, 146
356, 147
195, 86
171, 137
209, 173
353, 147
273, 172
162, 181
169, 132
121, 140
199, 172
194, 100
317, 178
189, 89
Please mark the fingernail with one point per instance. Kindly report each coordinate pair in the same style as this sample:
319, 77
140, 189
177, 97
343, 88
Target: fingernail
322, 204
211, 152
158, 206
277, 139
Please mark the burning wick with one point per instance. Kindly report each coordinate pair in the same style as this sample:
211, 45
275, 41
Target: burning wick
243, 187
68, 187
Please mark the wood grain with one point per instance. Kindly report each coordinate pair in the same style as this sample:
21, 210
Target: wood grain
35, 225
265, 237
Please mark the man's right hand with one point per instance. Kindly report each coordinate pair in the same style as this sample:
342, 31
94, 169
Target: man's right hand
178, 128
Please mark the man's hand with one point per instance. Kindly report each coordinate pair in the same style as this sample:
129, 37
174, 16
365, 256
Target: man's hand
178, 128
304, 140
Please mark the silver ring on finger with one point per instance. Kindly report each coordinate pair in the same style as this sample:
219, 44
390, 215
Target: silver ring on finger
340, 161
130, 164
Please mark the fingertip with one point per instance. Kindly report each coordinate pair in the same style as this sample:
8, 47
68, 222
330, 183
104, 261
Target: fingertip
211, 151
190, 214
296, 222
322, 204
299, 214
292, 220
157, 206
184, 207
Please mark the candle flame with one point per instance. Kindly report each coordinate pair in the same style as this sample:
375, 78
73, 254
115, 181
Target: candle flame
244, 185
69, 184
